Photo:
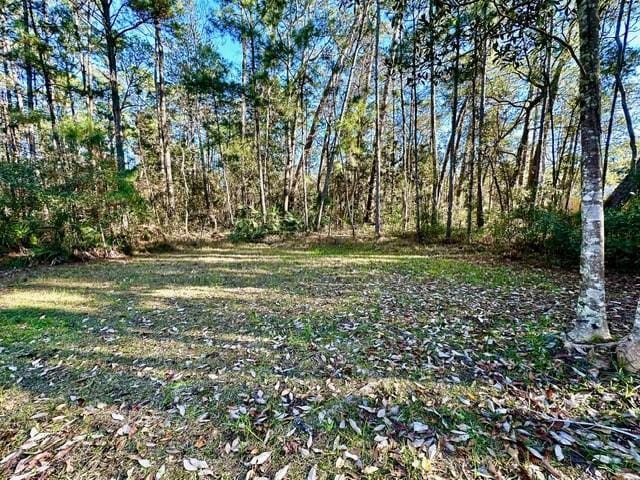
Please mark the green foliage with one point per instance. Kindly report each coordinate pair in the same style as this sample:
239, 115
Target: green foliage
539, 230
83, 132
623, 236
249, 226
557, 234
78, 212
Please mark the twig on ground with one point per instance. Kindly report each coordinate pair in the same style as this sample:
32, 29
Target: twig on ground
593, 425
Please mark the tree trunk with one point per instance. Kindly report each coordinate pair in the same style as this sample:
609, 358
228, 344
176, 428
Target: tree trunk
452, 140
629, 348
163, 122
116, 110
28, 70
591, 321
629, 184
48, 83
405, 157
471, 140
480, 135
324, 194
378, 132
414, 123
623, 94
432, 124
243, 96
315, 121
381, 106
256, 133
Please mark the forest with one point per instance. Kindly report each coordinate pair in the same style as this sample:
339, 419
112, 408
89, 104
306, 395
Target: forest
310, 239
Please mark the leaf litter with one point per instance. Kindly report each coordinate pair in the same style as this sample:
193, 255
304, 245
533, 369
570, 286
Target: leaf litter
285, 364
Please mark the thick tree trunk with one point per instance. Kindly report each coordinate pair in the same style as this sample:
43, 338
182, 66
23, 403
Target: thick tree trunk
591, 321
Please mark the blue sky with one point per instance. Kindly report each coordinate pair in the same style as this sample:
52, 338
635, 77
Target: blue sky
230, 50
227, 46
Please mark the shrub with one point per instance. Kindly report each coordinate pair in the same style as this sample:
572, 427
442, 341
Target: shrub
78, 213
250, 228
558, 234
622, 227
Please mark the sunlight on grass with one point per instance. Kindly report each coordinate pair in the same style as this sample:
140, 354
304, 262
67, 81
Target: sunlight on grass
273, 346
46, 299
474, 274
187, 293
31, 313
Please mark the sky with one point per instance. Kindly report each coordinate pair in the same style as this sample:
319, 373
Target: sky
227, 46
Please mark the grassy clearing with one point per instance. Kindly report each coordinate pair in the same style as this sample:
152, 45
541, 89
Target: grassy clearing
372, 361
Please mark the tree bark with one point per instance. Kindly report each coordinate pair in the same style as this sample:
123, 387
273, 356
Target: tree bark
378, 132
116, 109
629, 184
629, 348
591, 321
163, 122
452, 142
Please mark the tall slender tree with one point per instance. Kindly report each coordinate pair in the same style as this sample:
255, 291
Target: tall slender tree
591, 321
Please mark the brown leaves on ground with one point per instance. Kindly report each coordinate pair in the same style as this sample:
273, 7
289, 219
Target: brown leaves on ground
258, 363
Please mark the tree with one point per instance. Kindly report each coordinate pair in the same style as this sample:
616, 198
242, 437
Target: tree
629, 348
378, 132
591, 321
111, 36
158, 13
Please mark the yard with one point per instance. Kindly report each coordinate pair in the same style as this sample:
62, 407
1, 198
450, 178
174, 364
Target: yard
327, 361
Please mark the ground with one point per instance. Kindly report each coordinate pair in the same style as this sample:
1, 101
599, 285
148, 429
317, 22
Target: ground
309, 361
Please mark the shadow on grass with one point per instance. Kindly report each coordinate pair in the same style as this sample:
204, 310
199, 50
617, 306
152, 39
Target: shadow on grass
212, 328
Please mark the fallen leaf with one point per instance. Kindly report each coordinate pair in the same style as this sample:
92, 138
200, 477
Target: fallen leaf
260, 459
193, 464
282, 473
355, 426
313, 473
117, 416
419, 427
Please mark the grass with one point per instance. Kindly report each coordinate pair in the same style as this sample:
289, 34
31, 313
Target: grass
223, 352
